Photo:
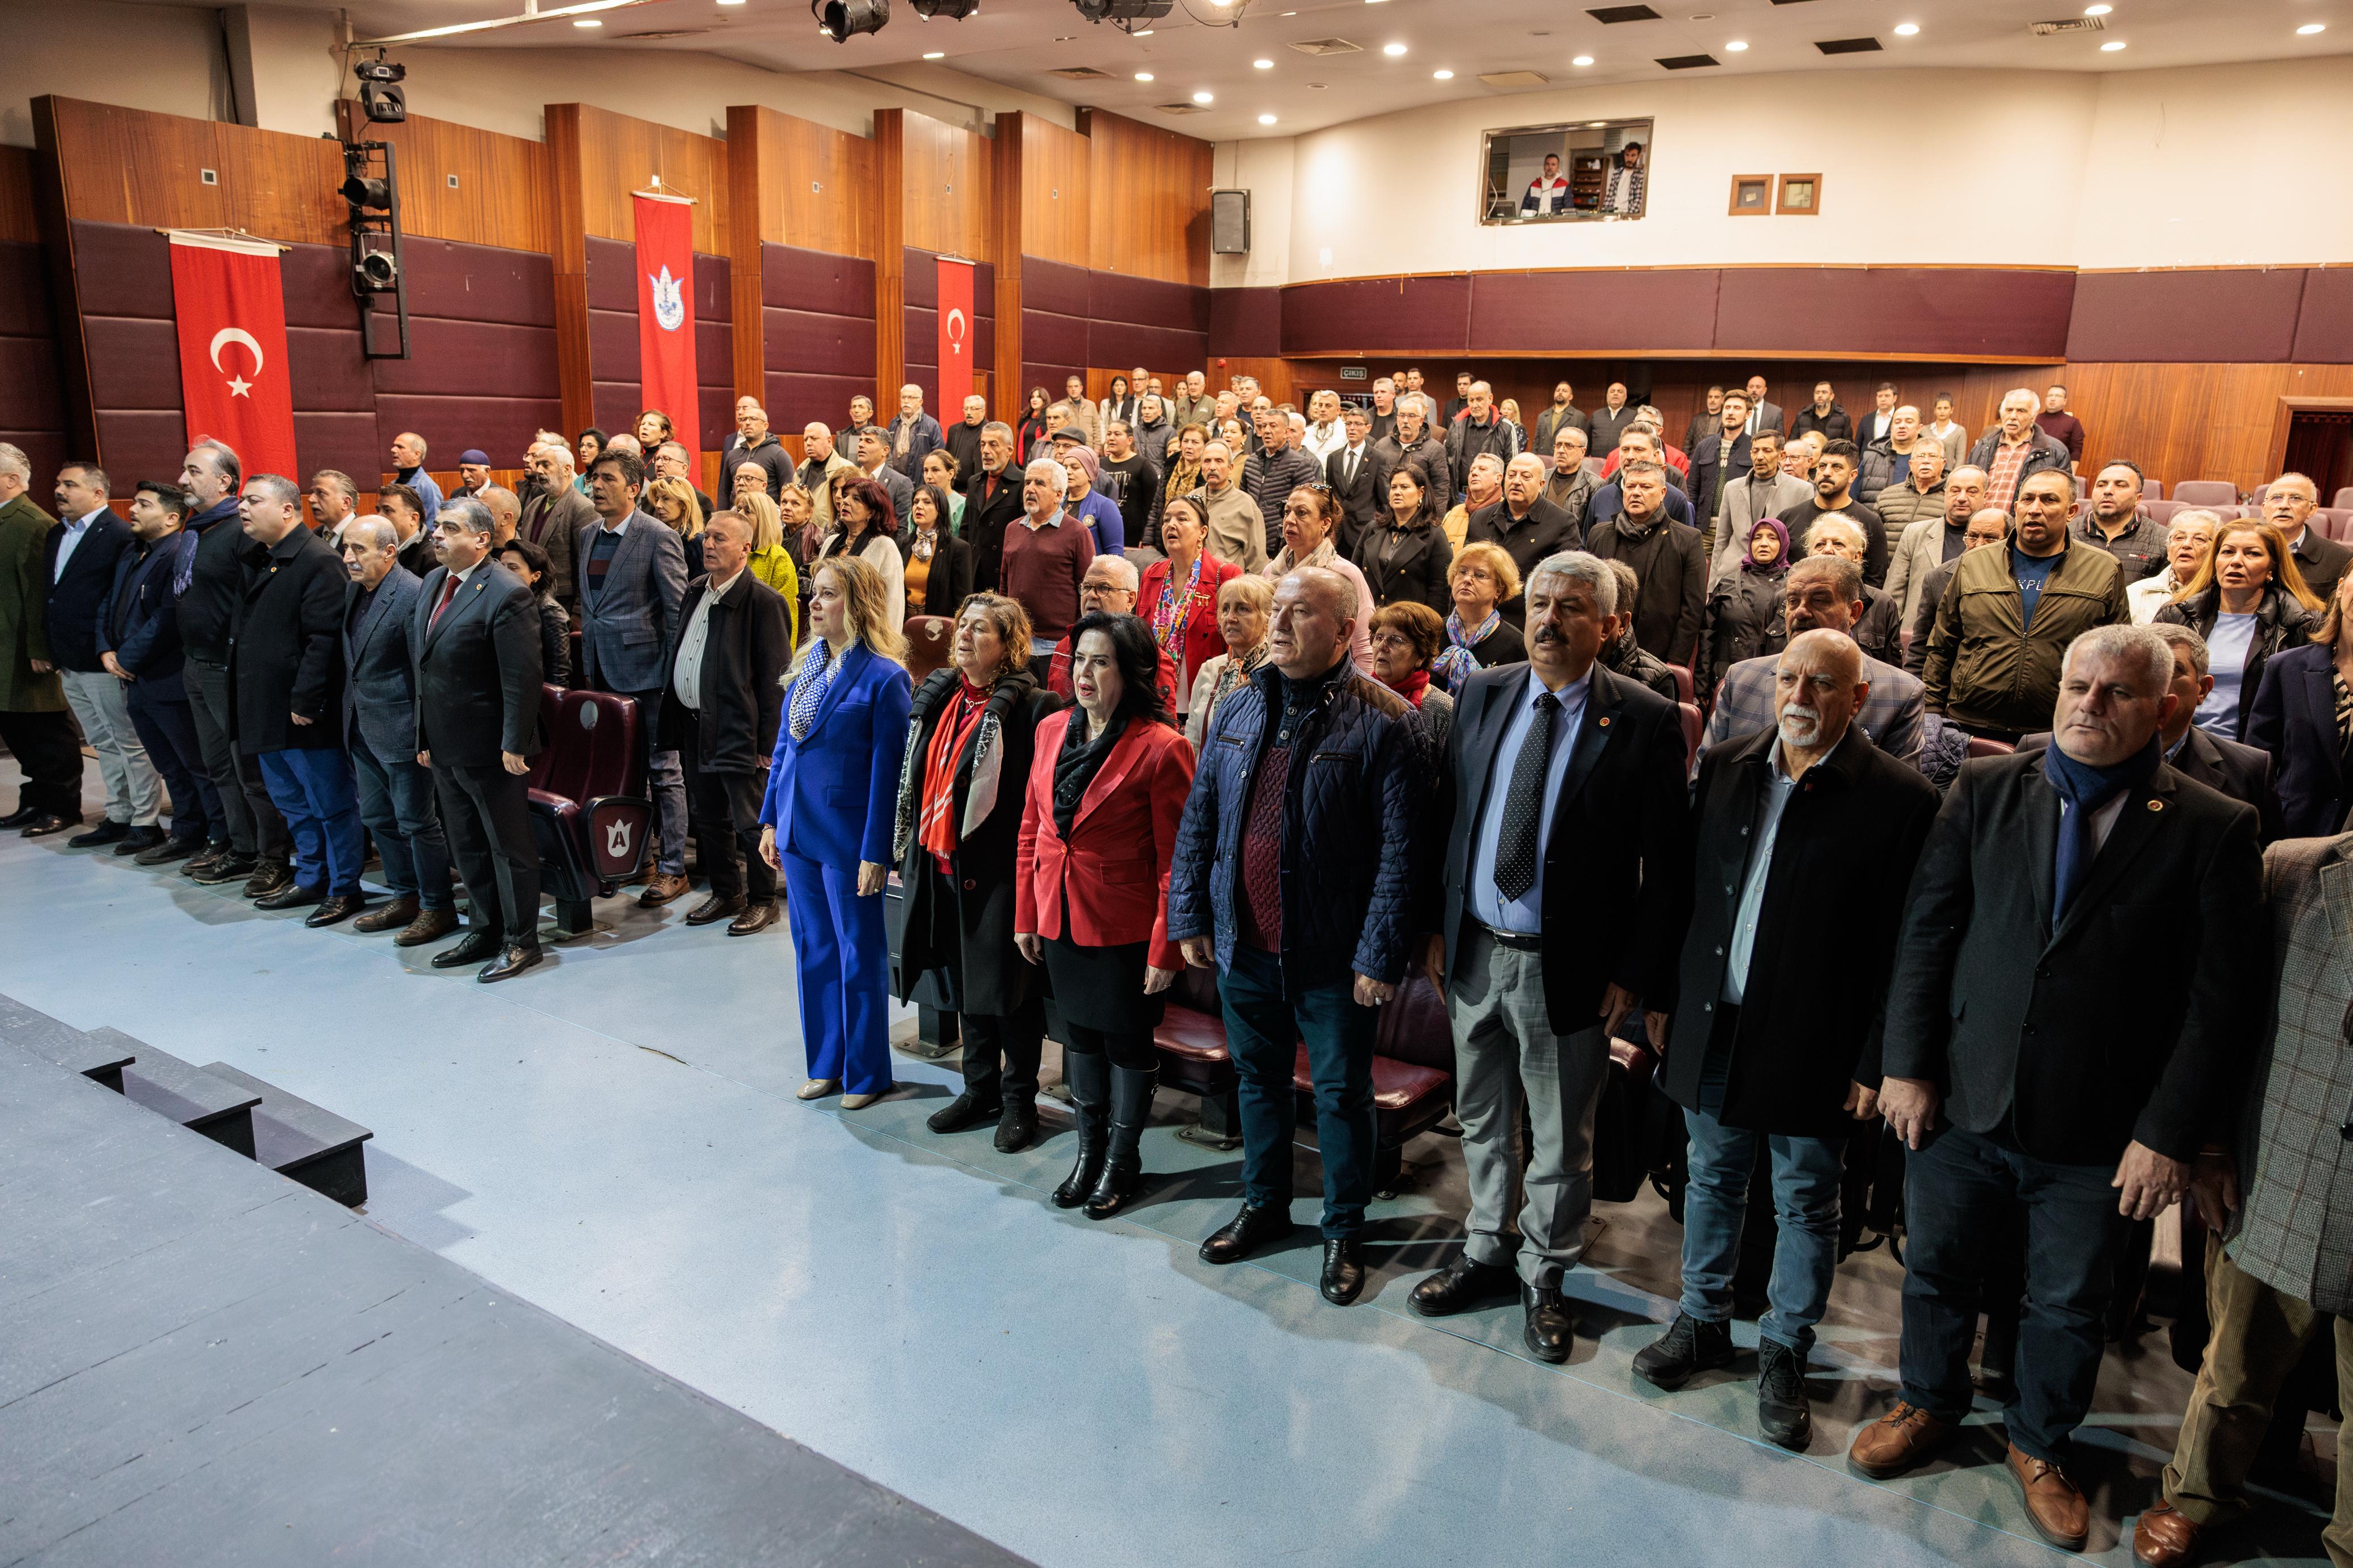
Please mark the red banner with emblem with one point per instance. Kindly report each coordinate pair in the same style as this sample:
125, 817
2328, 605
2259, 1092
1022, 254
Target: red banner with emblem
666, 315
955, 340
232, 314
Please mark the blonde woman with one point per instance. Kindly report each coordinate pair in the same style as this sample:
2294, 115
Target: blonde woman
1481, 579
672, 500
827, 823
771, 563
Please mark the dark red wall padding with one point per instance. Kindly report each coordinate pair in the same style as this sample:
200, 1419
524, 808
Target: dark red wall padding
1246, 323
1387, 315
922, 325
2324, 326
614, 367
2246, 314
1593, 312
31, 403
1073, 317
1965, 311
480, 371
818, 329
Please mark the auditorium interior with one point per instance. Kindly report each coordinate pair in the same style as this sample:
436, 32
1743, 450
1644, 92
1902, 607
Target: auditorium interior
576, 1268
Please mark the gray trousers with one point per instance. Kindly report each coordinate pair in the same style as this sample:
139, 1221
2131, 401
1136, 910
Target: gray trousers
1504, 1049
254, 825
134, 793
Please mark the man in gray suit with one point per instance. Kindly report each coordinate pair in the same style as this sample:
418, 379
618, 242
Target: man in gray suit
396, 795
1763, 491
630, 570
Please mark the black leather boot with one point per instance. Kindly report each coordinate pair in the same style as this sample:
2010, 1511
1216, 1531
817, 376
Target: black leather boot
1122, 1168
1087, 1075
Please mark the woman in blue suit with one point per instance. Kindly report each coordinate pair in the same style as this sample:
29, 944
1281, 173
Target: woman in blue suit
833, 793
2300, 718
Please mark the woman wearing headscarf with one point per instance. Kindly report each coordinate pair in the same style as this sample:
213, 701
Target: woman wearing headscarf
1746, 615
1098, 830
971, 736
1082, 500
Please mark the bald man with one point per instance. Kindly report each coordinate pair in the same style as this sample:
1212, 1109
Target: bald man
911, 435
409, 469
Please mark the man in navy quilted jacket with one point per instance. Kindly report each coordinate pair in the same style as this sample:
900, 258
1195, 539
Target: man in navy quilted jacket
1294, 874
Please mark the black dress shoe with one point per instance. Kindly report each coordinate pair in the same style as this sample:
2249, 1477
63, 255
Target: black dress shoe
1687, 1347
20, 817
341, 907
1017, 1126
43, 826
228, 866
510, 962
473, 948
966, 1111
139, 838
1550, 1332
292, 896
166, 851
107, 832
1461, 1285
1243, 1234
1344, 1272
1781, 1410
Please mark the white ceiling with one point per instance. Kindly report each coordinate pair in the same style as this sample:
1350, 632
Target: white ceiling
1201, 46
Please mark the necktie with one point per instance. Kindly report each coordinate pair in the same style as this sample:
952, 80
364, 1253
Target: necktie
448, 592
1349, 473
1516, 853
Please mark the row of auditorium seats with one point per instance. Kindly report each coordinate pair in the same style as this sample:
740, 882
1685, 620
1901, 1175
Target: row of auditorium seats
589, 808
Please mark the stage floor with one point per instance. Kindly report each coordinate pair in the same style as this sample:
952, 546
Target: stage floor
613, 1137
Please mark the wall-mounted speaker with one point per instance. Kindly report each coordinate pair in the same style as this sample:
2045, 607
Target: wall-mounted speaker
1230, 223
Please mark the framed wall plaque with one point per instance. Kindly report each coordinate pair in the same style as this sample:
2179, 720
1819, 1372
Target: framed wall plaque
1800, 196
1752, 196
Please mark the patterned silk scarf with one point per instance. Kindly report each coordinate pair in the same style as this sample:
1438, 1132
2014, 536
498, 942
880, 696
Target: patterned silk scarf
810, 687
936, 825
1458, 663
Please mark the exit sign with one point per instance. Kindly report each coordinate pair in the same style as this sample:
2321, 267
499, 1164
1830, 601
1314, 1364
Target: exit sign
1353, 373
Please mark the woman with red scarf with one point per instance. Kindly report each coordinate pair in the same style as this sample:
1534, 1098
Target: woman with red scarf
971, 734
1179, 598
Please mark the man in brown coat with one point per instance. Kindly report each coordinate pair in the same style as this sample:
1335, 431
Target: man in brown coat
32, 721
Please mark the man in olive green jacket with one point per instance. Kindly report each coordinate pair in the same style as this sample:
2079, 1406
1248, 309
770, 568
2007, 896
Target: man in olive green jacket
34, 724
2010, 613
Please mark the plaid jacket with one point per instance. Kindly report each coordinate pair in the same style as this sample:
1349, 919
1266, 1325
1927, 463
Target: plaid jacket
2294, 1231
1891, 715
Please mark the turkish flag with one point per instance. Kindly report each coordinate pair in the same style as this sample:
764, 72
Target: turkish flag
234, 380
956, 338
666, 316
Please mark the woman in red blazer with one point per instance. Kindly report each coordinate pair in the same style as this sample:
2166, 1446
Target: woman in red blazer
1179, 595
1090, 892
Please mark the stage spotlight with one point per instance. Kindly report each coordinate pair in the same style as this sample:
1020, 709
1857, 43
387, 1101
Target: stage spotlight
1124, 12
363, 192
381, 99
948, 10
377, 271
839, 19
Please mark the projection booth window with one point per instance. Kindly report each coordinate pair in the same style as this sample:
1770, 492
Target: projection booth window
1588, 171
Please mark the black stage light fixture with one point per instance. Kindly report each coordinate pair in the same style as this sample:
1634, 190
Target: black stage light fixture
951, 10
381, 99
839, 19
362, 191
1123, 11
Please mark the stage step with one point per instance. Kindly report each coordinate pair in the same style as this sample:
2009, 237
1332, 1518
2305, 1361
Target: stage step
221, 1110
101, 1061
301, 1140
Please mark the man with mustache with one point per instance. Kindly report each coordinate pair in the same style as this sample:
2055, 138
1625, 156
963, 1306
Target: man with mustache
1822, 592
1821, 828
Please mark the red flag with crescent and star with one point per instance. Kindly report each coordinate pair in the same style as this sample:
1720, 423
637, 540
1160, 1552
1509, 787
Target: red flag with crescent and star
956, 337
234, 380
666, 314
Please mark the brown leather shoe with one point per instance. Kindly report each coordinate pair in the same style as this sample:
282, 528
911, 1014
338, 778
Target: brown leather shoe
661, 888
2053, 1506
1897, 1441
752, 921
387, 917
2164, 1538
713, 907
430, 925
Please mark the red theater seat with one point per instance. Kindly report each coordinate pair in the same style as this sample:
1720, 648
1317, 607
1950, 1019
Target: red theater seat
2151, 489
928, 638
1694, 727
1413, 1076
588, 803
2344, 501
2207, 492
1191, 1041
1683, 691
2161, 513
1979, 746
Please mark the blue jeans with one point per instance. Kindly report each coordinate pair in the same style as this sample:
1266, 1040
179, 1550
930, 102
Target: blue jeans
1262, 1023
1955, 1192
311, 788
1806, 1172
395, 801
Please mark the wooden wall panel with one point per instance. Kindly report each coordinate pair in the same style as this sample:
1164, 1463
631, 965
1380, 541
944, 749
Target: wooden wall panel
1055, 179
131, 166
817, 184
621, 154
756, 205
946, 188
1149, 207
19, 219
1010, 185
494, 200
575, 381
889, 257
2216, 421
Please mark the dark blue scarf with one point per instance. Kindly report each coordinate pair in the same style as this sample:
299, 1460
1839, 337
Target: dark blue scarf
2086, 789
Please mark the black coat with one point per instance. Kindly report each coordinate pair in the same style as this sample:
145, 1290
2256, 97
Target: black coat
79, 598
477, 691
2281, 622
1546, 530
1748, 617
745, 650
1835, 425
1671, 578
1712, 470
2134, 1019
984, 519
1416, 570
215, 582
1799, 518
962, 922
1364, 502
1842, 859
2294, 720
1505, 645
2241, 772
554, 643
949, 581
2321, 560
287, 656
1616, 853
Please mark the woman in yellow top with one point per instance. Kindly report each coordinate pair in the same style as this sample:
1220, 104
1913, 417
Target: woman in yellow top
771, 563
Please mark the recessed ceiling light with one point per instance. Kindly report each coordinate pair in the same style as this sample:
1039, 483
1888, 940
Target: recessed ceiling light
1140, 33
1736, 48
2097, 10
2311, 27
1442, 76
587, 22
1144, 76
2111, 48
1906, 29
1393, 50
1263, 65
1266, 120
731, 2
935, 54
1205, 98
1594, 124
1582, 60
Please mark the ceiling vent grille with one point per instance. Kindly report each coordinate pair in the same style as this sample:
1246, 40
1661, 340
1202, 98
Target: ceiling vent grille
1328, 47
1689, 62
1516, 78
1609, 14
2068, 25
1181, 108
1082, 73
658, 35
1848, 45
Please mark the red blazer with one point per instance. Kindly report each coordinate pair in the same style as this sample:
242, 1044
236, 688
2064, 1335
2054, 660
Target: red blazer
1114, 874
1203, 642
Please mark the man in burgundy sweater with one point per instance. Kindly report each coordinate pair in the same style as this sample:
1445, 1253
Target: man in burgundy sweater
1046, 558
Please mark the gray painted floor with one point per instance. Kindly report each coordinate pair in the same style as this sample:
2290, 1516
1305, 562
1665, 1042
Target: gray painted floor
612, 1138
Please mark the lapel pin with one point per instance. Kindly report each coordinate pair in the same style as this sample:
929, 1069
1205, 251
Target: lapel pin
2157, 805
1602, 722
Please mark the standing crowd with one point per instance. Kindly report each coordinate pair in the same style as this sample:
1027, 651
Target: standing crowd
1842, 763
